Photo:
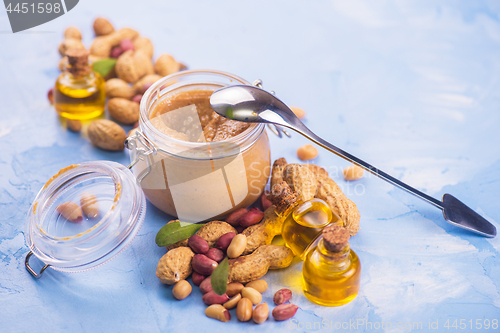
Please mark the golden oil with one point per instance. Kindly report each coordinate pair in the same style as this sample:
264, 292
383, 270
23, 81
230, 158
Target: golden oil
79, 91
304, 224
331, 271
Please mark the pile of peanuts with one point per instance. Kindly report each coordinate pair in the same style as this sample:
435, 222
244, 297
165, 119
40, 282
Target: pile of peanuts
239, 296
134, 72
243, 218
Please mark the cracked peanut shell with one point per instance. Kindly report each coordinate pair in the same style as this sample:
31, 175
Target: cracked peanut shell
302, 180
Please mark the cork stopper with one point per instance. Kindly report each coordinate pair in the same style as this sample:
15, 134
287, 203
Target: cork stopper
282, 196
78, 60
335, 238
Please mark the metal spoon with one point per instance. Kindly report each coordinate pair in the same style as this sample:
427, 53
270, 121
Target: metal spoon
255, 105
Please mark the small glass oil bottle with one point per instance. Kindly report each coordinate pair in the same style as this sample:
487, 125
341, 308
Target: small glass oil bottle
331, 271
304, 221
79, 91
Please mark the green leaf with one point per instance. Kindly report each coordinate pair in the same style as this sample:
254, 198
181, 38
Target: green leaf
172, 233
219, 277
104, 66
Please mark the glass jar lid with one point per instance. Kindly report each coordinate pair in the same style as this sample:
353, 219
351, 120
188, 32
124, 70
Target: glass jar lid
84, 216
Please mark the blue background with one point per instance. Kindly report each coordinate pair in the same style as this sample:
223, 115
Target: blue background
412, 87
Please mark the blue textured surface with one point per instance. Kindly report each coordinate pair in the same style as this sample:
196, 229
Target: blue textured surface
412, 88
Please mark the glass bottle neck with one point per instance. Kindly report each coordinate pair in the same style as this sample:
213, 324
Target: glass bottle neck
340, 260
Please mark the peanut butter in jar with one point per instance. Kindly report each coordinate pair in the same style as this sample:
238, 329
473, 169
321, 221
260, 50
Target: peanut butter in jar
206, 166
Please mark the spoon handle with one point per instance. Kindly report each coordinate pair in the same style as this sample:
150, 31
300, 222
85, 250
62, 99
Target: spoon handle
302, 129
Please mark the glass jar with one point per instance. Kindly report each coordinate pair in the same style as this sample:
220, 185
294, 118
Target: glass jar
196, 181
74, 246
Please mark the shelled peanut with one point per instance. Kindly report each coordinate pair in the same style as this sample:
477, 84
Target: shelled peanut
284, 311
260, 313
74, 125
232, 302
90, 206
259, 285
258, 256
244, 309
182, 289
237, 246
353, 172
70, 211
218, 312
307, 152
282, 296
201, 253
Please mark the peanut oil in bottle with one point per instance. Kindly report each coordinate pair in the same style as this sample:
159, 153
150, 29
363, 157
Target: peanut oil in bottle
79, 91
331, 271
304, 221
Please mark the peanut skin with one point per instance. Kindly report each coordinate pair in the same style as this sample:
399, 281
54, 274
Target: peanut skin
198, 278
203, 264
254, 266
210, 232
265, 202
212, 298
217, 311
215, 254
224, 241
233, 218
206, 285
251, 218
284, 311
198, 244
282, 296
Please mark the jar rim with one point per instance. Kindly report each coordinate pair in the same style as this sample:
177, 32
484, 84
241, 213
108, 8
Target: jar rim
156, 135
100, 242
54, 184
